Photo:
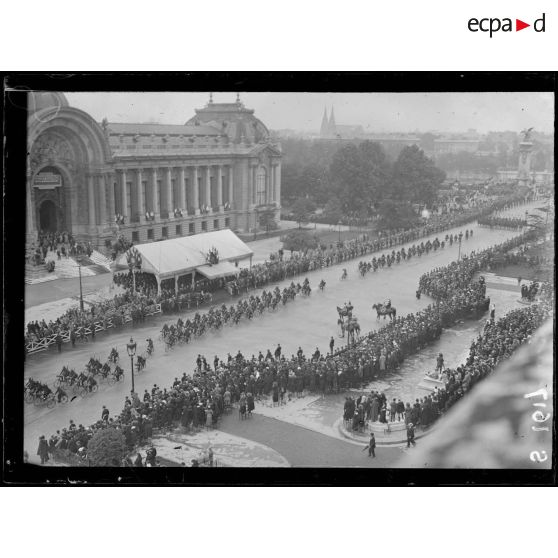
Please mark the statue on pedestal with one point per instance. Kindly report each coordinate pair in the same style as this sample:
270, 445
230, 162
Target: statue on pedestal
527, 134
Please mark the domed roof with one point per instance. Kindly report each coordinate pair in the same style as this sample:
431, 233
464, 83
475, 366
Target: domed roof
39, 100
233, 120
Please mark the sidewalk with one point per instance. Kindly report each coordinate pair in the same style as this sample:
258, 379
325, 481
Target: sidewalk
228, 450
56, 308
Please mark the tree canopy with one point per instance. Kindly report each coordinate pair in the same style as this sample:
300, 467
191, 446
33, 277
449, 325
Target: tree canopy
106, 448
415, 178
358, 174
396, 214
266, 220
299, 240
301, 210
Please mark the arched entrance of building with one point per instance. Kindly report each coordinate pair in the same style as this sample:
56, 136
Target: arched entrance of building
48, 218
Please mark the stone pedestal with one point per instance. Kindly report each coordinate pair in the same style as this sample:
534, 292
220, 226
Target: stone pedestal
524, 166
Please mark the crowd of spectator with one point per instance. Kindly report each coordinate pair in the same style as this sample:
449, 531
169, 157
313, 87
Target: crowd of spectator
62, 243
74, 322
200, 399
497, 342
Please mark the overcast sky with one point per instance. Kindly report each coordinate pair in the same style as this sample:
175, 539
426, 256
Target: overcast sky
376, 112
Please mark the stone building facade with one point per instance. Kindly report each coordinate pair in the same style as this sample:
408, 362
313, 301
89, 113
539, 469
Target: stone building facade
148, 182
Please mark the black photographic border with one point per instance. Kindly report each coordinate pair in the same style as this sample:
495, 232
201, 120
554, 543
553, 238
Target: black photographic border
14, 471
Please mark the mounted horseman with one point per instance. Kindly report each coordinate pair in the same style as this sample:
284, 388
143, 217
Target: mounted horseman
385, 310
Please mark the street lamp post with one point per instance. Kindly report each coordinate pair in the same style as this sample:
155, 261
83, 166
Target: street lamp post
131, 348
339, 225
80, 287
134, 264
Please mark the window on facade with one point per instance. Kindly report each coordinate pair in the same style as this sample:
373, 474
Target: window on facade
216, 225
227, 222
260, 186
191, 229
135, 236
204, 225
150, 234
165, 232
178, 230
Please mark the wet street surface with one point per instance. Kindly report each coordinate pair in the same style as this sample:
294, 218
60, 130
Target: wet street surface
306, 322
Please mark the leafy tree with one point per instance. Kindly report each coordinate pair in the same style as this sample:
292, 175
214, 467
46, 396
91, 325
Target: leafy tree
299, 240
301, 210
358, 174
415, 178
106, 448
395, 215
266, 220
333, 209
314, 183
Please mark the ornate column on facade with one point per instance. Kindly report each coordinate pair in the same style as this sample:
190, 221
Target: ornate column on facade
154, 194
207, 189
181, 189
278, 184
30, 217
271, 187
230, 185
91, 199
124, 202
195, 191
109, 179
253, 185
219, 179
168, 186
140, 196
102, 201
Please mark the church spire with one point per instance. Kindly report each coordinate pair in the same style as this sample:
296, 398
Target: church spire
324, 128
332, 128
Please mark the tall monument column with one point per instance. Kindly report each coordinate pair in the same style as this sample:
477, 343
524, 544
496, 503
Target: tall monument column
525, 154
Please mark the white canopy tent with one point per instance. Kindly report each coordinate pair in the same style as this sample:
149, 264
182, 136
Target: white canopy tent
170, 259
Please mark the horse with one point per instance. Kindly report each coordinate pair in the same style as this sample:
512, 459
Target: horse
322, 285
353, 330
381, 310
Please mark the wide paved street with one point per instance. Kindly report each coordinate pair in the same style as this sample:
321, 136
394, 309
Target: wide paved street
306, 322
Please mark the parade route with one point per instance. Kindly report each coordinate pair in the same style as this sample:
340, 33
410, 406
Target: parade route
307, 322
